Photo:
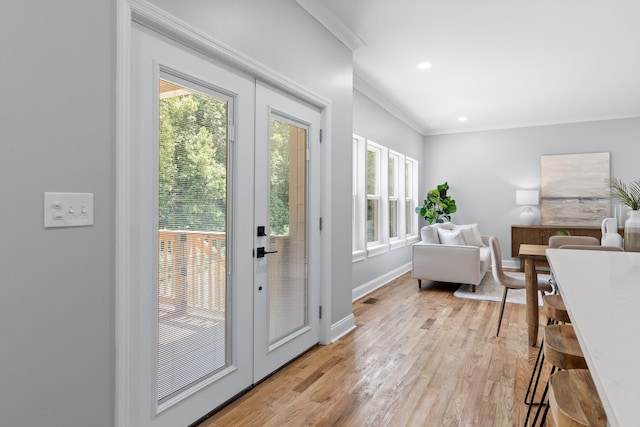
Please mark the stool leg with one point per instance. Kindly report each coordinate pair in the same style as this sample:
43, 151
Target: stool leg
544, 395
538, 367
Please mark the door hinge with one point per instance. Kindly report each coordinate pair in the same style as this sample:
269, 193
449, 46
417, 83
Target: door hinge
320, 312
320, 135
320, 223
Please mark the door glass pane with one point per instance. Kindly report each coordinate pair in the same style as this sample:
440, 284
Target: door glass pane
192, 230
287, 225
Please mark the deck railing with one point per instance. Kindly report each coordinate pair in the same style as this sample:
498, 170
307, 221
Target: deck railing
191, 273
192, 269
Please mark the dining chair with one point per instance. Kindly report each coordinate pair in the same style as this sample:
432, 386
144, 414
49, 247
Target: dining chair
593, 248
574, 242
557, 241
512, 280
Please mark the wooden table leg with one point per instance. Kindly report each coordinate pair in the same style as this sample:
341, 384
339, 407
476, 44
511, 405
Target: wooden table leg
531, 278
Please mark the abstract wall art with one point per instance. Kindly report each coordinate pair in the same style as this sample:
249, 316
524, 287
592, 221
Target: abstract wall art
575, 189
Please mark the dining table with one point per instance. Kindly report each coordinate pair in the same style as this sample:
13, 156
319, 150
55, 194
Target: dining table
534, 257
601, 291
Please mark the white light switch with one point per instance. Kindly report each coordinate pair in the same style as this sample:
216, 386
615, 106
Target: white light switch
68, 209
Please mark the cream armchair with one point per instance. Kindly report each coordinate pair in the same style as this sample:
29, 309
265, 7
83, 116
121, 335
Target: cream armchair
451, 260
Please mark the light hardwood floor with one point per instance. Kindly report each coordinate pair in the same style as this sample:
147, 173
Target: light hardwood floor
417, 358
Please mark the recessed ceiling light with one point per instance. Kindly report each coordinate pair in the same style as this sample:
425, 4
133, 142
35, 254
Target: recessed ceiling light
462, 119
424, 65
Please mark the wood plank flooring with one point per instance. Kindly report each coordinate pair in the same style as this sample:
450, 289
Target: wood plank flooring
417, 358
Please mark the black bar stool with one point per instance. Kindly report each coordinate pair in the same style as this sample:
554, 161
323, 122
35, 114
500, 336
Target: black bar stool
562, 350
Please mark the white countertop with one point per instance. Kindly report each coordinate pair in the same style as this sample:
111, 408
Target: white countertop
601, 291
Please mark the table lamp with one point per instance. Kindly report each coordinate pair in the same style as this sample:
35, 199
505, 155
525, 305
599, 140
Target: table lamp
527, 198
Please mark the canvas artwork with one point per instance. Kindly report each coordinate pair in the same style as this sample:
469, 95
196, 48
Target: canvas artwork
575, 189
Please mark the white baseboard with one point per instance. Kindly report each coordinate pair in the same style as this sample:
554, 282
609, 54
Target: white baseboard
511, 263
342, 327
374, 284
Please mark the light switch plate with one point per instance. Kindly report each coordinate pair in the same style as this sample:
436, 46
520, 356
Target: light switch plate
68, 209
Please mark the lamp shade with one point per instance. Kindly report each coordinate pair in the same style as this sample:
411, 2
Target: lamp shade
527, 197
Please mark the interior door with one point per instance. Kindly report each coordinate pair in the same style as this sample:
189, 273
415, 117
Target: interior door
287, 239
191, 314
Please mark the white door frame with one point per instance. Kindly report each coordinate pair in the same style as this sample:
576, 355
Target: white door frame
143, 13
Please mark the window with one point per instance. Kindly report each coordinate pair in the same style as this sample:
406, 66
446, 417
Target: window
354, 197
394, 161
384, 197
411, 196
358, 201
373, 195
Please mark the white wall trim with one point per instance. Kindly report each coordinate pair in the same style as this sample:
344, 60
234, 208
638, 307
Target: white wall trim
342, 327
527, 125
122, 220
327, 17
380, 281
367, 90
510, 263
158, 20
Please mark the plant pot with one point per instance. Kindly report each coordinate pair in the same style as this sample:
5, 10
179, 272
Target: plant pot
632, 232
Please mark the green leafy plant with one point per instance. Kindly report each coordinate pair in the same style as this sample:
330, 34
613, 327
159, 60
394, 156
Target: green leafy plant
628, 195
438, 206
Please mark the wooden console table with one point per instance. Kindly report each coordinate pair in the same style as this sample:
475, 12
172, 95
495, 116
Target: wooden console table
539, 234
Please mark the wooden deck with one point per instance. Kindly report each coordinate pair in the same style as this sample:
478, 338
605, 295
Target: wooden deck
417, 358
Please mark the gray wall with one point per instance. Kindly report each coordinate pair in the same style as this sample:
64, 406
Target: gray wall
372, 122
57, 304
484, 169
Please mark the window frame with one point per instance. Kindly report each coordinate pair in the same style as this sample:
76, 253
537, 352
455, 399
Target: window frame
358, 214
361, 247
375, 247
397, 240
412, 236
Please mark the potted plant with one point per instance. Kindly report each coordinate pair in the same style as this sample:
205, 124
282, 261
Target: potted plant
629, 195
438, 206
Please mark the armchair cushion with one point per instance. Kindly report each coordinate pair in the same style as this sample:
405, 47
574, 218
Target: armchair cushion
471, 235
450, 237
429, 234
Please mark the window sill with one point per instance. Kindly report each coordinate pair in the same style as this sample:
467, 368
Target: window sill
377, 250
397, 244
358, 255
412, 239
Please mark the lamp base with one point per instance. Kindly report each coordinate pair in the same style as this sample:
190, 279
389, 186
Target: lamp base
527, 217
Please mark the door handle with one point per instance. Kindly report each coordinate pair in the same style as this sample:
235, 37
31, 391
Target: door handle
260, 252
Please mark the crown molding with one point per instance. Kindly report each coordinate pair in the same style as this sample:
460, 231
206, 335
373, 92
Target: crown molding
366, 89
434, 132
327, 17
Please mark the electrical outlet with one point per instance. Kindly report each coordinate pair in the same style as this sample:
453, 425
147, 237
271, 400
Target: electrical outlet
68, 209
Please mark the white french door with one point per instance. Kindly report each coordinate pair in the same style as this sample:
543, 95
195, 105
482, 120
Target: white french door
201, 326
287, 277
191, 302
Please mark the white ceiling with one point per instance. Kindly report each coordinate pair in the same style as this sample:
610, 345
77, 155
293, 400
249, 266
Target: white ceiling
500, 63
